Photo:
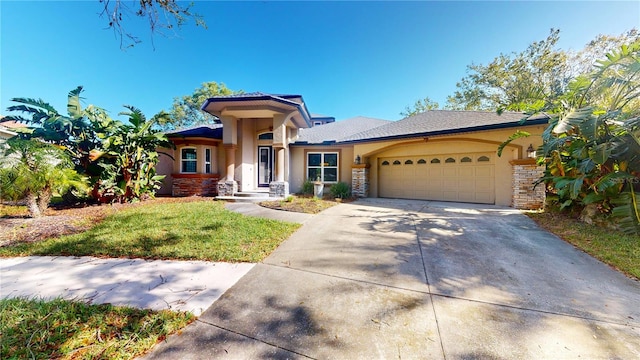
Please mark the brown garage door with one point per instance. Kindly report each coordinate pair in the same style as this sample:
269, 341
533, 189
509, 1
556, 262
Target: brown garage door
449, 177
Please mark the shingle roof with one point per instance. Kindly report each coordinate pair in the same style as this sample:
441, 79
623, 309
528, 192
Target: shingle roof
289, 100
339, 130
255, 94
213, 131
438, 122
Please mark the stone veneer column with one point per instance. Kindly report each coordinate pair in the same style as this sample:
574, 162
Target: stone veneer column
525, 173
360, 180
228, 186
279, 187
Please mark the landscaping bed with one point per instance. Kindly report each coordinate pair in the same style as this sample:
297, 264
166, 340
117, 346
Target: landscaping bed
301, 204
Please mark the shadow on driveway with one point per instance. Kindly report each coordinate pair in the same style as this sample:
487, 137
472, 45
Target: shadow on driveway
382, 278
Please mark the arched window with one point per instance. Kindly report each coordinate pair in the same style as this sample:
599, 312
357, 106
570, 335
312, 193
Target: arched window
450, 160
266, 136
396, 162
435, 161
385, 163
422, 161
408, 162
466, 159
483, 158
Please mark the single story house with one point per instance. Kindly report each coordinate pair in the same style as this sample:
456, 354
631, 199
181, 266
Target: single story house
6, 129
265, 141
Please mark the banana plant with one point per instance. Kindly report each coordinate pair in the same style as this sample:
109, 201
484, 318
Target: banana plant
128, 156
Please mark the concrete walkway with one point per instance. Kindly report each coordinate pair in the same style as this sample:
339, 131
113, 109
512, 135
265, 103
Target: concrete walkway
175, 285
419, 280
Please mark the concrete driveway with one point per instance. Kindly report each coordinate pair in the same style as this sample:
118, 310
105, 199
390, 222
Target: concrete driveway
401, 279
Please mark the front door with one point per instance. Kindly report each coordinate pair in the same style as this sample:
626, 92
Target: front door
265, 165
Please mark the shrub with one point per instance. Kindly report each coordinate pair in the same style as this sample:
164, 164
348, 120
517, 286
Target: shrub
340, 190
307, 188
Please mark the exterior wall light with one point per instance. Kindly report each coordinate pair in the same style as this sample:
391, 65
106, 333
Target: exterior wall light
531, 152
358, 159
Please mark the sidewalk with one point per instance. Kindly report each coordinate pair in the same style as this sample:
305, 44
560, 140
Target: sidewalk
175, 285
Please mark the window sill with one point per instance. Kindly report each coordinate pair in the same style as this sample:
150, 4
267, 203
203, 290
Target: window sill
193, 176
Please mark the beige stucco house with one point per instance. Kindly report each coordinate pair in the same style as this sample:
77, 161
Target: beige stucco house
265, 141
6, 132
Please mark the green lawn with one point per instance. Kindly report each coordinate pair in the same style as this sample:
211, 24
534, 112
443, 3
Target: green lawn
615, 248
59, 329
200, 230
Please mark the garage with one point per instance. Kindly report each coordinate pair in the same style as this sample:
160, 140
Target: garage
465, 177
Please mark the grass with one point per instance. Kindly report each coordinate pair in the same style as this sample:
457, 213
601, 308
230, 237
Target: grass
37, 329
200, 230
615, 248
13, 210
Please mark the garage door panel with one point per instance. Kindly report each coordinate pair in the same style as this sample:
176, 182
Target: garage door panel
469, 179
450, 171
484, 171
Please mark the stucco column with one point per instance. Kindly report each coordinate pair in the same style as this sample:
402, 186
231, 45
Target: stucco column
230, 156
280, 165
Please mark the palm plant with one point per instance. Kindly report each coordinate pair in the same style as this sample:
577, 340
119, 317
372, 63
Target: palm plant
32, 170
72, 132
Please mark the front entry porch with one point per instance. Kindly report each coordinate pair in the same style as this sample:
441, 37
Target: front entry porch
256, 132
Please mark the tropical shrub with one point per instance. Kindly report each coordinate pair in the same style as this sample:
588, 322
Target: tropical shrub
591, 147
119, 159
32, 170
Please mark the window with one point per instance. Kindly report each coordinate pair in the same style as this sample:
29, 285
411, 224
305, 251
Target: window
435, 161
483, 158
450, 160
323, 166
396, 162
316, 123
188, 160
422, 161
465, 159
207, 161
266, 136
384, 163
408, 162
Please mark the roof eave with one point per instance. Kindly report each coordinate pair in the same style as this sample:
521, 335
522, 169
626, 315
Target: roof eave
302, 108
539, 121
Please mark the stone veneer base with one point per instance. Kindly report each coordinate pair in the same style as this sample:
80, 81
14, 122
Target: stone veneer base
227, 188
278, 189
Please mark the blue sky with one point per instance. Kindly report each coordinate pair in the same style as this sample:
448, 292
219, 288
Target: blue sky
345, 58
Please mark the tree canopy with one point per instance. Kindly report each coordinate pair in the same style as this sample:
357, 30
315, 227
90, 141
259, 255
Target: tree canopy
514, 81
525, 80
186, 111
419, 106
